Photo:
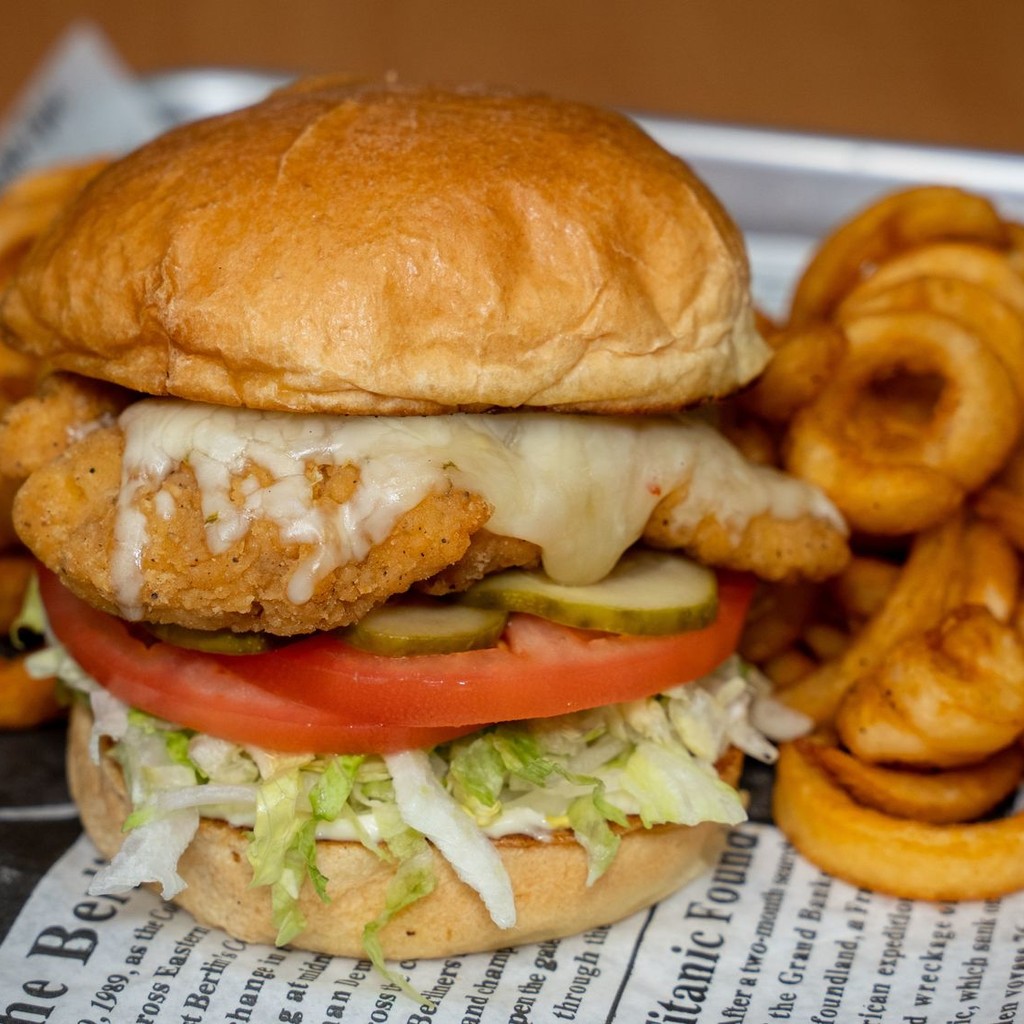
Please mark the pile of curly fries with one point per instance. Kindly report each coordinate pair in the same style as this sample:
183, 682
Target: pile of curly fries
898, 387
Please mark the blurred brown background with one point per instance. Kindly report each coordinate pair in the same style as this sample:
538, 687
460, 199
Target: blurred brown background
945, 71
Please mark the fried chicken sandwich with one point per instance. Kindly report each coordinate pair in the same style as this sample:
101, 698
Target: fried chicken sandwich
389, 570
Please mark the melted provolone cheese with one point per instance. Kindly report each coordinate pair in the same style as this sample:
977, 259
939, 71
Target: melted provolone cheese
581, 488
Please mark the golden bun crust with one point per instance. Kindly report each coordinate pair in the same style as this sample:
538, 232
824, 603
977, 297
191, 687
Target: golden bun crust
371, 248
552, 899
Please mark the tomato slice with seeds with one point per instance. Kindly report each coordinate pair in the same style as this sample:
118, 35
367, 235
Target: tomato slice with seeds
322, 694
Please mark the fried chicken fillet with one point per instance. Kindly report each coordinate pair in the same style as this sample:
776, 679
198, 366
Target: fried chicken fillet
67, 513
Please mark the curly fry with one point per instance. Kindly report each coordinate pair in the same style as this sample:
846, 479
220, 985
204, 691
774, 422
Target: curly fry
991, 572
900, 221
893, 467
1005, 510
27, 207
804, 360
788, 667
952, 696
31, 202
963, 261
927, 286
905, 858
15, 572
25, 701
863, 586
1011, 476
826, 641
972, 305
8, 489
1015, 233
749, 436
778, 614
943, 797
916, 602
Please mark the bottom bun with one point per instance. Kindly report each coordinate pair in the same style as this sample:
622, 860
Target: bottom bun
548, 877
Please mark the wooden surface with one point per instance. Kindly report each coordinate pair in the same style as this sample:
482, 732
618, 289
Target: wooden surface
945, 71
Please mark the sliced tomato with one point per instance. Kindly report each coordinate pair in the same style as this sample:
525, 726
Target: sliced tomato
325, 695
201, 693
540, 669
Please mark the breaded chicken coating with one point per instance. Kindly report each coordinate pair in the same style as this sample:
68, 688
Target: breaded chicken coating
67, 510
68, 514
37, 429
487, 553
773, 548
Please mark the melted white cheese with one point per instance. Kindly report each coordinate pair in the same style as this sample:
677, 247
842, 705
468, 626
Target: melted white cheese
581, 488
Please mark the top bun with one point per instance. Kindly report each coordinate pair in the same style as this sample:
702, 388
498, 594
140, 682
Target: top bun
374, 248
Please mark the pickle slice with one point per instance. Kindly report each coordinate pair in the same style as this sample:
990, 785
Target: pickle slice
426, 628
647, 593
212, 641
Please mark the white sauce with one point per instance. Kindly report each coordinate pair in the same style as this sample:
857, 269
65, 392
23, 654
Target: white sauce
521, 821
581, 488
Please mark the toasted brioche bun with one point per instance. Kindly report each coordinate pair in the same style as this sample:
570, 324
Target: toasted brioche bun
373, 248
548, 878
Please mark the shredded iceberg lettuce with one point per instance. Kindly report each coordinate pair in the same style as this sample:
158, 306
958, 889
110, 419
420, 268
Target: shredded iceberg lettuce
413, 880
150, 853
159, 832
589, 818
426, 806
587, 772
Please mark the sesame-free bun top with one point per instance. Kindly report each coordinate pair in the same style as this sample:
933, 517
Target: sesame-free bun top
375, 248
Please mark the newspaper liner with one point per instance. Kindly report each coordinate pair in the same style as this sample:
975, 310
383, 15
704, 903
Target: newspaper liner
763, 937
